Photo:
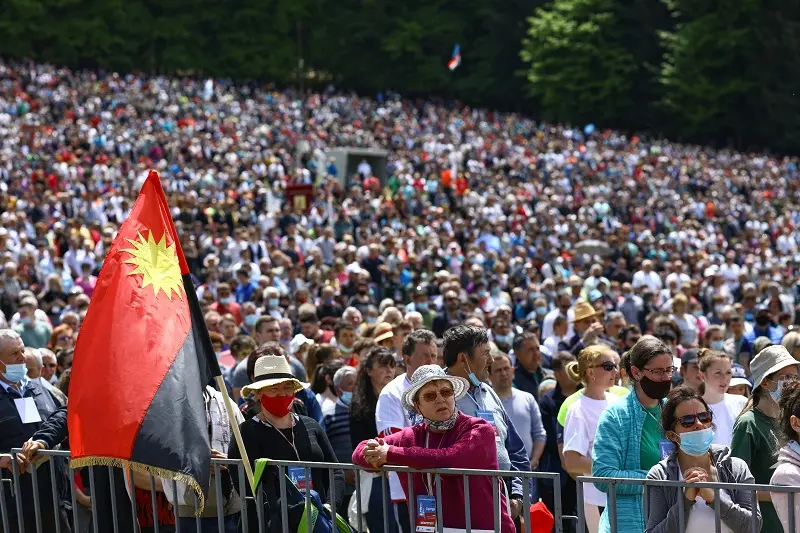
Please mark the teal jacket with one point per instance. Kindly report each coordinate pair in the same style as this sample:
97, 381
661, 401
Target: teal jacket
616, 454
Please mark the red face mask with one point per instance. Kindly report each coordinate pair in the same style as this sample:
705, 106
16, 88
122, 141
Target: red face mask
277, 405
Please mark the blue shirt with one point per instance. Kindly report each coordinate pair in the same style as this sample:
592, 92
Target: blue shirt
245, 292
511, 454
524, 413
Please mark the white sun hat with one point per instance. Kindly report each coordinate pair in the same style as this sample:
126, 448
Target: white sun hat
768, 361
426, 374
271, 370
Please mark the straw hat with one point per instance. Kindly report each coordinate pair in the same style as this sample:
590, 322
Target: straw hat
424, 375
271, 370
583, 310
383, 331
768, 361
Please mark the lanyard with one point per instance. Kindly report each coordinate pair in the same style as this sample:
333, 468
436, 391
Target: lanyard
429, 485
291, 442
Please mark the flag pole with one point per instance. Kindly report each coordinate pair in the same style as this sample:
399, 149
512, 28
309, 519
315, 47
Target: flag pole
236, 433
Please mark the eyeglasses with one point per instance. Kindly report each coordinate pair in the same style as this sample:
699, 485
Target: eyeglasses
430, 397
661, 372
688, 421
608, 366
50, 365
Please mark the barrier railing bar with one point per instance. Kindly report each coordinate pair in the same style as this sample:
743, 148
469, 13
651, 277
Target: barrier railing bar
580, 509
526, 506
37, 505
174, 507
332, 483
717, 521
243, 496
385, 498
439, 520
558, 510
646, 500
467, 506
17, 488
358, 503
681, 512
791, 513
3, 509
197, 523
73, 494
754, 527
114, 513
411, 500
612, 507
681, 484
220, 503
55, 496
156, 525
259, 498
307, 473
284, 508
92, 492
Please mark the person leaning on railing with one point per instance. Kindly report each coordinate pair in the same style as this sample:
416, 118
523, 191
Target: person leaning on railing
787, 472
278, 434
446, 438
756, 432
687, 421
627, 443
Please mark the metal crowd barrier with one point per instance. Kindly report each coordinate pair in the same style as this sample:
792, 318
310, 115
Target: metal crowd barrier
646, 484
282, 466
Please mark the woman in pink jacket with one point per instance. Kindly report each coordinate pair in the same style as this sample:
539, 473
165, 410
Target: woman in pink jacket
446, 438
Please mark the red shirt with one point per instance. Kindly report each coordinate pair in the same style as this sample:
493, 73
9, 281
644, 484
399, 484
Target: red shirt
232, 308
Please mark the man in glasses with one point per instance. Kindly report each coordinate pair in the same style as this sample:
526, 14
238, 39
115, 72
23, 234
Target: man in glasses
49, 366
448, 316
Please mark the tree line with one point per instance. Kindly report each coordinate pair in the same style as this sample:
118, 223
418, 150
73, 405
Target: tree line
724, 72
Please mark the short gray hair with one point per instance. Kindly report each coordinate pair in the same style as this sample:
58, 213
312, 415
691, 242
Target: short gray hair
9, 335
342, 373
36, 354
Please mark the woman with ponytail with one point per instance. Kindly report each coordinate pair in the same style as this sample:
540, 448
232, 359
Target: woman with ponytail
717, 373
596, 368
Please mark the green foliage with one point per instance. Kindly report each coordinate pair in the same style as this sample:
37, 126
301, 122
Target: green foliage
705, 70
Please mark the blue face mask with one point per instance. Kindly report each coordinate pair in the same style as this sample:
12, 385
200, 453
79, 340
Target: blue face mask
697, 443
27, 320
718, 345
504, 339
250, 320
541, 311
226, 301
422, 307
795, 446
347, 397
274, 302
473, 379
776, 394
371, 319
15, 373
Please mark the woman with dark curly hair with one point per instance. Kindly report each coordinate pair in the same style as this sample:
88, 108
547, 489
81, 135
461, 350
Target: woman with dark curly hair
787, 471
375, 372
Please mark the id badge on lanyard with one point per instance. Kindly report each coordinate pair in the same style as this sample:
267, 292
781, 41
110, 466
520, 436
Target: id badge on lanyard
298, 476
425, 521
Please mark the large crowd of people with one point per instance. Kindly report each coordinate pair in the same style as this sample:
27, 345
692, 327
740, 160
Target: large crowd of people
550, 283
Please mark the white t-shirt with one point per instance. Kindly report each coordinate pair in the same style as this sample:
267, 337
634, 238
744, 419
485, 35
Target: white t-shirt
580, 428
701, 515
389, 414
725, 413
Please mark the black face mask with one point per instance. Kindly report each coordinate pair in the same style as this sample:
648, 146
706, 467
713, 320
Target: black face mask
762, 321
657, 390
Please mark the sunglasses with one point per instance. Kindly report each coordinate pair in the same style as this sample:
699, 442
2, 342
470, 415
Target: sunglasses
608, 366
50, 365
430, 397
688, 421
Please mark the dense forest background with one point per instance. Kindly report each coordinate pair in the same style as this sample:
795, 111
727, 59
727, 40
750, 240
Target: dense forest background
725, 72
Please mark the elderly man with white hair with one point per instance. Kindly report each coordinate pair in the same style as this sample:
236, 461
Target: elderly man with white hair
30, 418
34, 362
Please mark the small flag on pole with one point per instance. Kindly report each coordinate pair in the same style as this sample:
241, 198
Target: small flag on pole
455, 61
144, 357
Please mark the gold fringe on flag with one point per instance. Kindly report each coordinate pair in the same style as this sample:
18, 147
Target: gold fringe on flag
142, 468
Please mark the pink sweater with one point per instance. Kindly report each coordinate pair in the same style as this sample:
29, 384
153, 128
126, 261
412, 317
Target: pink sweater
470, 444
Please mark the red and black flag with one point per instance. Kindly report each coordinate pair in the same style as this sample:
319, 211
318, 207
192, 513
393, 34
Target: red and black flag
143, 356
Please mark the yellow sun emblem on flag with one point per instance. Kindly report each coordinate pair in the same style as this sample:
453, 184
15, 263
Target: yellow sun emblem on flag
157, 263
